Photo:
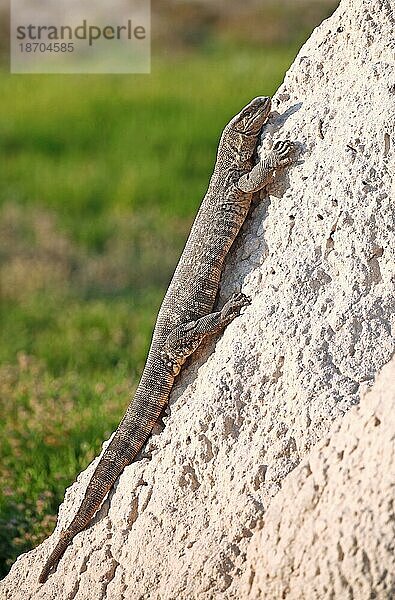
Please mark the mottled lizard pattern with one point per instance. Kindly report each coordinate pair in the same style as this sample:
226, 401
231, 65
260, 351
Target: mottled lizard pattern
186, 315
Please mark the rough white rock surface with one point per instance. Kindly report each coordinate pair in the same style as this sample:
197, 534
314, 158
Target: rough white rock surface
331, 529
317, 257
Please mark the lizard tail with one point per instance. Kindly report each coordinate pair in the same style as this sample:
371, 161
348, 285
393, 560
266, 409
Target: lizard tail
55, 555
127, 441
119, 453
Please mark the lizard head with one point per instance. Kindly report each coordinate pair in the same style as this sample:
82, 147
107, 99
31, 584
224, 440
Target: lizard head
239, 138
250, 119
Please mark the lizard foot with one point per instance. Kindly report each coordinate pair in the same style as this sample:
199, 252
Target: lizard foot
283, 151
234, 305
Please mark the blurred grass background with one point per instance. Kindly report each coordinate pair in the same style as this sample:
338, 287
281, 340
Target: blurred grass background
100, 179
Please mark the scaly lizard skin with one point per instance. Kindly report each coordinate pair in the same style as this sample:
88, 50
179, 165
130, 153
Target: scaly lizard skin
186, 315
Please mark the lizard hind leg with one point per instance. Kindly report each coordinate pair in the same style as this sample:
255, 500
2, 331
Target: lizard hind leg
232, 308
186, 338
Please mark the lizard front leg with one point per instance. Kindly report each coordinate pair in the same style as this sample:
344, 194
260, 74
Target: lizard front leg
259, 176
186, 338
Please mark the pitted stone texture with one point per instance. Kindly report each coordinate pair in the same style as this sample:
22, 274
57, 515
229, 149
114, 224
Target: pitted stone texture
330, 532
316, 256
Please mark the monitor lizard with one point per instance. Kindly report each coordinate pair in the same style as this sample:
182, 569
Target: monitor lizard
186, 315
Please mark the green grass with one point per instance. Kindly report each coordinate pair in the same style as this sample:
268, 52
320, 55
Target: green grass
100, 179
